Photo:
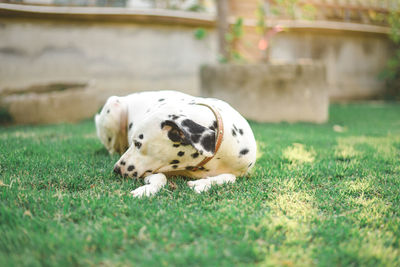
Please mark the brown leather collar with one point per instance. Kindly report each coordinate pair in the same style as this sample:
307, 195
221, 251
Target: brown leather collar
219, 137
122, 137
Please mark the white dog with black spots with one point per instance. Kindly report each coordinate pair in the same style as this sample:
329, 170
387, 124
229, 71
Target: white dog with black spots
168, 133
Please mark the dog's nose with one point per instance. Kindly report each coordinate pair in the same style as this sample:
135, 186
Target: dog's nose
117, 169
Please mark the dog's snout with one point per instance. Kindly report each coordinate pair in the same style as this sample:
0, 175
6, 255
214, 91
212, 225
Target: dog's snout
117, 169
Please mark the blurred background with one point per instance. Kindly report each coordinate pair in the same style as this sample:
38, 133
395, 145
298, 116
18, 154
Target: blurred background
61, 59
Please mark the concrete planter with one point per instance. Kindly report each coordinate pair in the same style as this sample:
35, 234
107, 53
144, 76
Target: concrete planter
270, 92
50, 103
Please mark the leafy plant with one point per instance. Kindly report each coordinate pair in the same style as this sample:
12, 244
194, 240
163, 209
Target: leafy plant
264, 31
236, 31
293, 9
5, 116
261, 27
308, 12
391, 74
196, 8
200, 33
232, 38
285, 7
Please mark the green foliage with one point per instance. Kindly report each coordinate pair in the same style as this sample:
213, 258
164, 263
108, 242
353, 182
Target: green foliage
378, 17
317, 197
261, 27
200, 33
293, 9
288, 7
391, 74
232, 37
5, 116
394, 22
308, 12
237, 29
196, 8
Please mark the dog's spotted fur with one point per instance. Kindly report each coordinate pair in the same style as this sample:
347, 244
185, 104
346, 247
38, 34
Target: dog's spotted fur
167, 133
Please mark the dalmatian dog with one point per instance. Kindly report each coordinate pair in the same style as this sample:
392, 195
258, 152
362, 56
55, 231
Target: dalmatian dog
168, 133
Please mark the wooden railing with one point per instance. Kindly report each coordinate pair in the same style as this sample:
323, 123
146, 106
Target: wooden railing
184, 5
360, 11
373, 12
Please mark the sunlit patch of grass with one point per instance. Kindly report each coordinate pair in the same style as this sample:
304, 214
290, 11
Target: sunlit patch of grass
370, 209
23, 135
289, 225
292, 205
261, 147
298, 154
357, 186
345, 149
369, 246
20, 134
90, 136
37, 136
385, 147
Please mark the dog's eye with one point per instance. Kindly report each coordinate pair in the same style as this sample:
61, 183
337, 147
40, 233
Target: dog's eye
109, 139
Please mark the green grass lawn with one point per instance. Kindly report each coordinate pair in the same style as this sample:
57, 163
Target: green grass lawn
318, 196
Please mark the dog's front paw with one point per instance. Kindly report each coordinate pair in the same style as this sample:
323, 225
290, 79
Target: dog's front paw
199, 186
155, 183
145, 191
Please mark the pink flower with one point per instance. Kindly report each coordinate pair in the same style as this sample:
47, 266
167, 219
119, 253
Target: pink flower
263, 44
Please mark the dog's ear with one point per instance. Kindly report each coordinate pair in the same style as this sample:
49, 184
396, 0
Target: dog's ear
187, 132
96, 119
97, 123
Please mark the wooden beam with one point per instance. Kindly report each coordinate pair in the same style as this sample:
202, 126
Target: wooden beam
107, 14
222, 26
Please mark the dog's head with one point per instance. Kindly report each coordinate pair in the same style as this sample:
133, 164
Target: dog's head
111, 125
167, 146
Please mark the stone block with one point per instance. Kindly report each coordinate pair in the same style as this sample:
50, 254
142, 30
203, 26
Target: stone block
49, 104
270, 92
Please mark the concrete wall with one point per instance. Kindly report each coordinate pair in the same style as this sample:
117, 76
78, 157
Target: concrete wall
117, 58
353, 61
62, 65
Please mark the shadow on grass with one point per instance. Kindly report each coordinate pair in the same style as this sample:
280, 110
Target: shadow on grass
101, 152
